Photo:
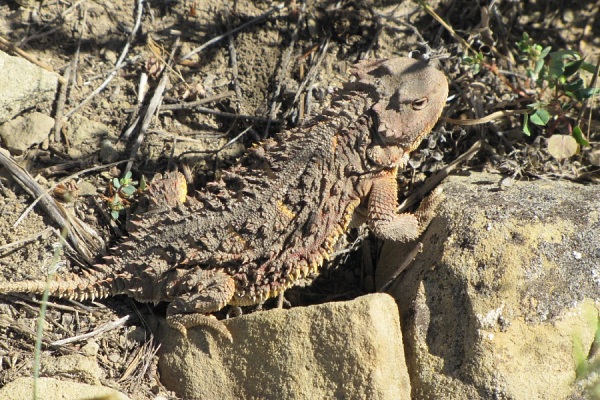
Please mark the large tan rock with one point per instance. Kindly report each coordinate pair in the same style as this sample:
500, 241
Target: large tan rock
23, 85
504, 299
344, 350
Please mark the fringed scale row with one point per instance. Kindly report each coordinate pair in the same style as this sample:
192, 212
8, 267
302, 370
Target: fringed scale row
73, 287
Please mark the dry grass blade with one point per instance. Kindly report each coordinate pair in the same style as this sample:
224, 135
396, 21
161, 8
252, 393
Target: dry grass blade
486, 119
439, 19
140, 361
104, 328
193, 104
83, 238
152, 108
285, 63
439, 176
54, 210
310, 76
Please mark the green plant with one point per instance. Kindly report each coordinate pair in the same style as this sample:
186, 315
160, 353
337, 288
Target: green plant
120, 193
587, 370
475, 61
561, 91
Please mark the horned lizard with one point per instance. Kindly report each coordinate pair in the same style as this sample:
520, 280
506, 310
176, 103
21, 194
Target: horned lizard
276, 217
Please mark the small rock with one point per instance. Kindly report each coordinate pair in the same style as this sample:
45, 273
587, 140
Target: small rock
90, 349
108, 152
86, 369
28, 86
85, 136
87, 189
111, 57
21, 133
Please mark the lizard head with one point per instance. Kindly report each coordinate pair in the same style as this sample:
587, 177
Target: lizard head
409, 97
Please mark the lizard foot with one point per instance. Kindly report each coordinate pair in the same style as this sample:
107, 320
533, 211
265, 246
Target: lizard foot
182, 322
383, 220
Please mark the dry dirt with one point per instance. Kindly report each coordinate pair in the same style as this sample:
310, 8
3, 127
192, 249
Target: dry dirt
270, 74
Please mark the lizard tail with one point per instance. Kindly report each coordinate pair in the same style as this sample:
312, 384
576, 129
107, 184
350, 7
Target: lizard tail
74, 287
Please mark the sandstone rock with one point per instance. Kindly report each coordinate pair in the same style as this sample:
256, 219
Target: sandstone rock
86, 136
506, 292
84, 368
53, 389
21, 133
336, 350
23, 85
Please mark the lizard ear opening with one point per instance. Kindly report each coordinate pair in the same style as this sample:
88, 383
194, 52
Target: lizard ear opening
419, 104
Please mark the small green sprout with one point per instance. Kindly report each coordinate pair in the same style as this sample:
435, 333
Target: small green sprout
121, 191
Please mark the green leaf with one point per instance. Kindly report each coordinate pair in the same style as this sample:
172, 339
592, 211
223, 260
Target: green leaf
566, 106
562, 54
572, 67
116, 183
524, 43
545, 52
578, 135
572, 95
526, 130
128, 190
591, 68
143, 184
540, 117
555, 69
114, 214
538, 66
577, 84
127, 175
587, 93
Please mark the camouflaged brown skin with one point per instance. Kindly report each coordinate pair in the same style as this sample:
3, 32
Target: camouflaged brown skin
275, 218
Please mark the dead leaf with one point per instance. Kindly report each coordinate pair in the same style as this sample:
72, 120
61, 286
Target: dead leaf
562, 146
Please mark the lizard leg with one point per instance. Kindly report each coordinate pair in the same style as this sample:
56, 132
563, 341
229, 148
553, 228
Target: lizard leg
196, 293
383, 220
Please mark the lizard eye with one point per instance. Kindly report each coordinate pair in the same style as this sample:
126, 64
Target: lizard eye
419, 104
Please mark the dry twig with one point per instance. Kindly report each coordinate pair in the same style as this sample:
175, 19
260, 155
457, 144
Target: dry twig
285, 61
152, 108
483, 120
104, 328
439, 176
